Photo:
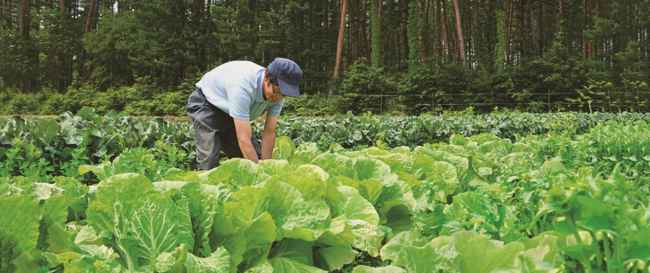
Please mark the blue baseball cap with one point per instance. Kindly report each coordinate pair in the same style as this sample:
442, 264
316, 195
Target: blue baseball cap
289, 76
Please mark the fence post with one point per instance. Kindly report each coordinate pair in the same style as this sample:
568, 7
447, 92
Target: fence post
492, 98
609, 100
638, 107
548, 99
433, 102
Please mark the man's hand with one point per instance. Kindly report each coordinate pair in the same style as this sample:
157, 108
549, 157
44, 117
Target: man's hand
244, 133
268, 136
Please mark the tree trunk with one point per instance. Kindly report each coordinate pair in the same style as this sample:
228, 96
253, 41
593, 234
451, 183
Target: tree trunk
363, 35
421, 13
477, 22
90, 19
374, 31
21, 43
90, 26
339, 45
598, 43
532, 29
542, 23
588, 8
202, 12
461, 42
562, 22
508, 33
353, 39
9, 25
459, 31
61, 58
489, 39
22, 10
478, 40
381, 11
520, 43
445, 33
434, 33
206, 29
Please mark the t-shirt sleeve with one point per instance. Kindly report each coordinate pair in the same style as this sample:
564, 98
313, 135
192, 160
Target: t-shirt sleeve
276, 108
240, 102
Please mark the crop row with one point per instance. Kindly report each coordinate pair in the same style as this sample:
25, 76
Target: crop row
48, 147
538, 203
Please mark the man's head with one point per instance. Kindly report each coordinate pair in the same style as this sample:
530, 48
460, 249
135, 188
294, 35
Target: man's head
288, 74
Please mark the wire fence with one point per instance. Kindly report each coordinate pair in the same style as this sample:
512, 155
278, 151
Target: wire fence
605, 101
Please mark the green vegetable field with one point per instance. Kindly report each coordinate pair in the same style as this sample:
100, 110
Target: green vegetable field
505, 192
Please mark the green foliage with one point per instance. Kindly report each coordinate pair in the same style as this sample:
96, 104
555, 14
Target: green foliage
374, 33
531, 57
24, 103
109, 44
634, 93
474, 203
140, 98
360, 86
593, 97
421, 89
311, 105
65, 143
77, 98
601, 96
500, 62
543, 84
7, 57
414, 29
40, 148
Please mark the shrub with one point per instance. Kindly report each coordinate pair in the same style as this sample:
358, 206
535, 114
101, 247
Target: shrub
364, 87
77, 98
140, 98
28, 104
312, 105
54, 104
170, 103
111, 99
418, 91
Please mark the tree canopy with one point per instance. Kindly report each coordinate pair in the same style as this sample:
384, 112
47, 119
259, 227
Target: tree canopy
537, 54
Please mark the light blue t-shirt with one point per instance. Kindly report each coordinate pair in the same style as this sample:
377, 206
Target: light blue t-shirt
236, 88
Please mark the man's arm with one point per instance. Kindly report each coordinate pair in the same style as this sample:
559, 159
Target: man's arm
268, 136
244, 133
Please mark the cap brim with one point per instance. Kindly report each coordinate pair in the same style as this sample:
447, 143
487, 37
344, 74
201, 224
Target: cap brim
288, 89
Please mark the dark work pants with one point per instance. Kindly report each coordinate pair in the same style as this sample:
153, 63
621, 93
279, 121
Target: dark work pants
214, 130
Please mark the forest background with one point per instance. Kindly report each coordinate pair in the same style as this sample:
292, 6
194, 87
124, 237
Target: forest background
380, 56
